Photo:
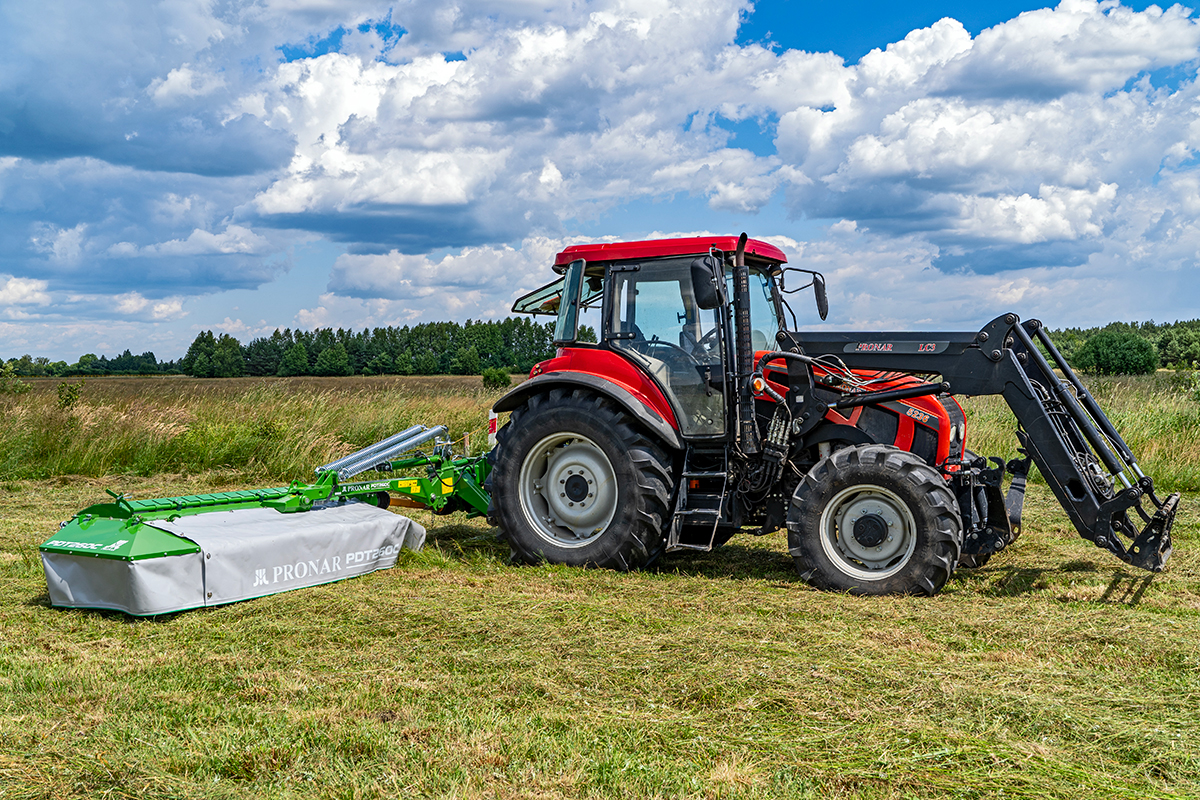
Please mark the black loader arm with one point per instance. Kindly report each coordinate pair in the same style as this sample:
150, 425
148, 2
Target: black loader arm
1061, 428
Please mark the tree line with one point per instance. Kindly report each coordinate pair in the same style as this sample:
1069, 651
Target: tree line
435, 348
517, 343
1131, 348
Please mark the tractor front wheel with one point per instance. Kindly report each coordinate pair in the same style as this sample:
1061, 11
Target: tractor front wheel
574, 482
875, 519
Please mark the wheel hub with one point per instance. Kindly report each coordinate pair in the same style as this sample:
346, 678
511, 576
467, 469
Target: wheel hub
576, 488
870, 530
568, 489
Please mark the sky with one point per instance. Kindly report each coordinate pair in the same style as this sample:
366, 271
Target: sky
237, 166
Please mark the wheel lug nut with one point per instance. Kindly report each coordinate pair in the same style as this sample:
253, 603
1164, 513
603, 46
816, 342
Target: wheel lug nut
562, 494
572, 505
590, 494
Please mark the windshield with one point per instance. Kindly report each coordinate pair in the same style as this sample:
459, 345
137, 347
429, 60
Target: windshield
764, 322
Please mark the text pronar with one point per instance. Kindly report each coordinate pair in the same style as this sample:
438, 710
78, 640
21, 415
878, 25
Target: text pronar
303, 569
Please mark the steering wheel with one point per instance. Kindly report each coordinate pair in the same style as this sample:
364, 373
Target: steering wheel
683, 355
698, 348
706, 343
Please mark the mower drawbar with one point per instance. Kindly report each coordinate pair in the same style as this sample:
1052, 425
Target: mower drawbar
149, 557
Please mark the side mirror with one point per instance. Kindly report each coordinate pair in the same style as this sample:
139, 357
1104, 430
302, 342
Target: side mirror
819, 291
705, 284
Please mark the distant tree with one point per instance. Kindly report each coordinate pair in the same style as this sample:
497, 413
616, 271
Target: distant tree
465, 361
379, 365
86, 364
333, 361
402, 364
1179, 348
26, 366
205, 344
227, 359
1113, 352
495, 378
201, 367
427, 364
263, 356
295, 361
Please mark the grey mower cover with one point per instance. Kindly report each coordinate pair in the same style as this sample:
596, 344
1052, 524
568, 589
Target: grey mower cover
243, 554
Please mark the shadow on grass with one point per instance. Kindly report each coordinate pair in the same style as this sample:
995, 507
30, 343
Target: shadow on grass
1123, 589
1126, 589
43, 601
459, 541
734, 561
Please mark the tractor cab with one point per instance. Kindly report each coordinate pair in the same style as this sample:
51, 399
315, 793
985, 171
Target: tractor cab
648, 308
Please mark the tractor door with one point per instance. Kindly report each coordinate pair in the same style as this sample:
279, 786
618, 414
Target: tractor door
653, 317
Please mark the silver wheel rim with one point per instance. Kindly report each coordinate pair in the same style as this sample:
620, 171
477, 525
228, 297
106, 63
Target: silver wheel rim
568, 490
849, 554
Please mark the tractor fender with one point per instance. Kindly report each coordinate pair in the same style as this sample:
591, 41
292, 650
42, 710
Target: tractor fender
833, 432
642, 412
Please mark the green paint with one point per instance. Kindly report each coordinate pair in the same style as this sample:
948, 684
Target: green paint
118, 539
120, 530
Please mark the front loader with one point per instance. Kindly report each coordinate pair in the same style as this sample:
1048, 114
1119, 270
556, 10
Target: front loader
700, 414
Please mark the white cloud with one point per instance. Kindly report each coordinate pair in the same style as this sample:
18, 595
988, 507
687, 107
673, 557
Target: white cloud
235, 239
62, 245
183, 82
23, 291
473, 282
169, 308
130, 303
1048, 142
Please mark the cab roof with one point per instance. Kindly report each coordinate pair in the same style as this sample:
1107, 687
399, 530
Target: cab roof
658, 248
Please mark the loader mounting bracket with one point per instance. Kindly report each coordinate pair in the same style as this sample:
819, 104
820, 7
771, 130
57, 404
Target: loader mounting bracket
1152, 547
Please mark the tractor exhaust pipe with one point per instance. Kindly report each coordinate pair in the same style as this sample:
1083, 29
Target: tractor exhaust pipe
748, 428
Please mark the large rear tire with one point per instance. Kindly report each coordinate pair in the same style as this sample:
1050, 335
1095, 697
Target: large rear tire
874, 519
575, 482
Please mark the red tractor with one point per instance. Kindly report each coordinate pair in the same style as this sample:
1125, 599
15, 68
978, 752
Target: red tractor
700, 414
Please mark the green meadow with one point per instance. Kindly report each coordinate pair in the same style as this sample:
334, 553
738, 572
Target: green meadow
1053, 672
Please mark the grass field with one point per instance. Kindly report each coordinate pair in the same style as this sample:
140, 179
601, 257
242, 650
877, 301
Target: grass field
1053, 672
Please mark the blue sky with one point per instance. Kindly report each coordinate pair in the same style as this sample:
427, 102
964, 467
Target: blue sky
171, 167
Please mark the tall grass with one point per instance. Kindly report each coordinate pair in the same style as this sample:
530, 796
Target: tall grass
279, 429
276, 429
1156, 415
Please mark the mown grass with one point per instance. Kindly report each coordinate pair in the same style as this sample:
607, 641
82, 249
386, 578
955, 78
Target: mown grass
1053, 672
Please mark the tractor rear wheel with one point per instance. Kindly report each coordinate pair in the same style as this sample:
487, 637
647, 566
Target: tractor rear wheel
574, 482
874, 519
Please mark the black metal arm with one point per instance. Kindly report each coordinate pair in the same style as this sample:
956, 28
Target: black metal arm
1065, 432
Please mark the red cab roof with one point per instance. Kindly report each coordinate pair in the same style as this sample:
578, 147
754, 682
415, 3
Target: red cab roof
656, 248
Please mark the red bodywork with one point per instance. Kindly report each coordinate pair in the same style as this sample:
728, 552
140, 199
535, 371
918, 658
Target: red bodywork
658, 248
937, 422
613, 368
936, 415
940, 416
